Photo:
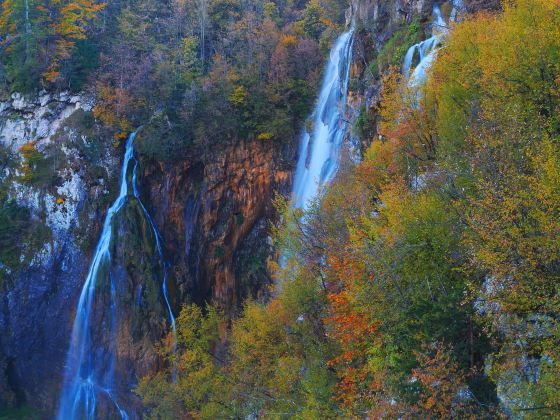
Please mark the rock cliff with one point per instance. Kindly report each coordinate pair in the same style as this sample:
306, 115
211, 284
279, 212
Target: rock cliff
211, 209
71, 175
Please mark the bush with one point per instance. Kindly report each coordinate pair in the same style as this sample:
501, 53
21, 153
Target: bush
163, 139
366, 123
19, 233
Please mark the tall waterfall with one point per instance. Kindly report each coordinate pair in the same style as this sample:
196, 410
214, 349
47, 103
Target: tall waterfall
320, 150
425, 51
90, 364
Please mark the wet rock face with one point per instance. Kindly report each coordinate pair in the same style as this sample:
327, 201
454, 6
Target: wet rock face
34, 320
66, 202
129, 314
213, 212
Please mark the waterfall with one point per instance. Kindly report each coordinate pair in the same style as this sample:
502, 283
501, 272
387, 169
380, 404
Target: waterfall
319, 150
425, 51
158, 246
90, 365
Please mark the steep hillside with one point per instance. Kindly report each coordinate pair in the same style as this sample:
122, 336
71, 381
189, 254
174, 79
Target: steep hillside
423, 281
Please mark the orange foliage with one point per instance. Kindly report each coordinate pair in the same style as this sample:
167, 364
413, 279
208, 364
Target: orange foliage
69, 27
289, 41
29, 152
444, 392
352, 328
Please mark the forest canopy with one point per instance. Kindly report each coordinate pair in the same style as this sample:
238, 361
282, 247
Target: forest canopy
200, 70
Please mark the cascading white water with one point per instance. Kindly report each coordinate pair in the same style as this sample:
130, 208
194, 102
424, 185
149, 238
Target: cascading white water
90, 367
319, 151
426, 50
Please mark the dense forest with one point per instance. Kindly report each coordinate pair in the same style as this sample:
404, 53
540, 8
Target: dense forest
205, 69
422, 282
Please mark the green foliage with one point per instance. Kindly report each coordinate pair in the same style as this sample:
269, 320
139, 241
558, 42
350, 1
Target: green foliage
20, 236
493, 115
21, 413
271, 12
275, 363
312, 20
394, 50
164, 139
46, 43
192, 382
365, 124
217, 70
37, 168
82, 63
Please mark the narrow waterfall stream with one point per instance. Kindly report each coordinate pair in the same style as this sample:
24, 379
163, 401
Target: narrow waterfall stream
90, 364
425, 51
158, 244
319, 151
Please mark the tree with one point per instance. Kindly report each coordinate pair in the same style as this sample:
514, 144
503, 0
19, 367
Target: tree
38, 37
70, 26
192, 383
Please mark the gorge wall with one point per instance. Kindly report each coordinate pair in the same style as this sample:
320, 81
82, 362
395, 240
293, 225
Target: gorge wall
211, 209
64, 204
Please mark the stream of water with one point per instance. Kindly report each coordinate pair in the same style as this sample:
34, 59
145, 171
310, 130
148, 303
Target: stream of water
90, 365
424, 52
320, 149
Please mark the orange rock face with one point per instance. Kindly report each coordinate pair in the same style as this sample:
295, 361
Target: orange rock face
213, 208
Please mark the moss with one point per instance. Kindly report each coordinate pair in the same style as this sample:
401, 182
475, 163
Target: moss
7, 159
20, 235
251, 269
365, 124
143, 264
38, 168
219, 251
91, 138
14, 116
394, 50
21, 413
86, 243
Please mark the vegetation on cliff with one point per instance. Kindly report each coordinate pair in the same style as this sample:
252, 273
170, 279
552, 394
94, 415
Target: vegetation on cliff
211, 70
425, 282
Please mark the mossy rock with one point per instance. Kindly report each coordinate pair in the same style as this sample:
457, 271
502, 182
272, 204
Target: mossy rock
21, 236
20, 413
394, 50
